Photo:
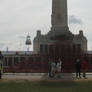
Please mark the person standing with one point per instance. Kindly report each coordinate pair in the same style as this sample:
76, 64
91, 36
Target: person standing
0, 69
53, 69
59, 65
78, 68
1, 57
84, 68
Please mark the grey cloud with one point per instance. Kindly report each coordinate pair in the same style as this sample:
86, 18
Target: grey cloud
22, 37
2, 45
74, 20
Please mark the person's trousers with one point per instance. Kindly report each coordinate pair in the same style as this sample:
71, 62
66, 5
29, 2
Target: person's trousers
0, 74
84, 73
78, 73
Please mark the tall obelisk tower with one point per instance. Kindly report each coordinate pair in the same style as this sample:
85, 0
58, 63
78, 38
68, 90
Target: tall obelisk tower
59, 14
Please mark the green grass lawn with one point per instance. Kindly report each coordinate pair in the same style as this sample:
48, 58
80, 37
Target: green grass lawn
45, 86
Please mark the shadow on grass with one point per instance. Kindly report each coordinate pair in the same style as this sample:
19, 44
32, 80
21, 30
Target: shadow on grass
57, 84
62, 80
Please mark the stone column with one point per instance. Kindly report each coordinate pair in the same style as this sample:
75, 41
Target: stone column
13, 61
7, 61
59, 13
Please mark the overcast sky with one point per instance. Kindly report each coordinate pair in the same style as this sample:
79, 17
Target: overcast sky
20, 17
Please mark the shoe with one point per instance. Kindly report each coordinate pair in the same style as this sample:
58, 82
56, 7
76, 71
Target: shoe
80, 77
85, 77
77, 78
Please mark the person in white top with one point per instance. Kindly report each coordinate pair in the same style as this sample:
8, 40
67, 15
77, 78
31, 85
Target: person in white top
59, 65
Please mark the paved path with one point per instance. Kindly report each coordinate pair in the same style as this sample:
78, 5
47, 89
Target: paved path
41, 76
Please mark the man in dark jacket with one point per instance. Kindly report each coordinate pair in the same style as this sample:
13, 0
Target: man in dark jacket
78, 69
1, 58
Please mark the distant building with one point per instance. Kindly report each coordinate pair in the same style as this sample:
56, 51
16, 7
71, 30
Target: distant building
11, 58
